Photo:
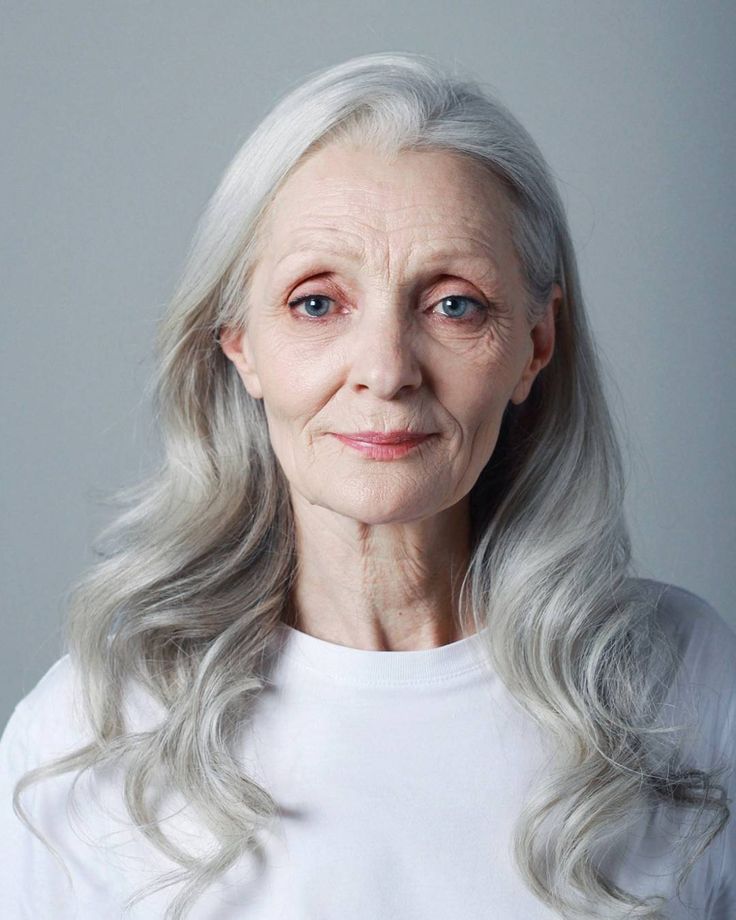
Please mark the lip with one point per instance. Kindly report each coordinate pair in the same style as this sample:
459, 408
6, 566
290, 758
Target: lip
399, 445
398, 436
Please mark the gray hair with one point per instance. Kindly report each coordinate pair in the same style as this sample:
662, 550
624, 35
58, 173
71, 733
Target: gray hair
197, 569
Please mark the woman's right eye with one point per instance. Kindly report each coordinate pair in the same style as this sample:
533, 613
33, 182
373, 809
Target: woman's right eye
311, 301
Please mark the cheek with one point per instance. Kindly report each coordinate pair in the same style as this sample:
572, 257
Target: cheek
477, 400
479, 391
298, 377
481, 424
292, 392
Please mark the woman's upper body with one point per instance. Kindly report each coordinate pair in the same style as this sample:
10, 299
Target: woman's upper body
387, 251
399, 776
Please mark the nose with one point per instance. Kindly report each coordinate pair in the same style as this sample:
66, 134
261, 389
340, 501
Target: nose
383, 355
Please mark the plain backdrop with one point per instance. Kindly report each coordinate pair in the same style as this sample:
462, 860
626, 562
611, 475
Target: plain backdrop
118, 121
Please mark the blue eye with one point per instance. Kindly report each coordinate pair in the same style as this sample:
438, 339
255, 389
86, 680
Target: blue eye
454, 298
309, 300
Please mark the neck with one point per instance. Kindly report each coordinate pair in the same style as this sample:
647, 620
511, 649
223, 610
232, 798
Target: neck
387, 587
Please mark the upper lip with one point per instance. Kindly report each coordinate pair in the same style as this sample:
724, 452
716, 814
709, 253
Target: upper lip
384, 437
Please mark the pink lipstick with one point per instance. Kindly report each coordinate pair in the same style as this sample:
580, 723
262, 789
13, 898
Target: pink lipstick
381, 445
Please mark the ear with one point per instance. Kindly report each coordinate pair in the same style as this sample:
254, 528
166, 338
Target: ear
235, 345
542, 336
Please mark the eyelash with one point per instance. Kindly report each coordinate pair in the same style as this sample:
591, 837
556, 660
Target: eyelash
482, 308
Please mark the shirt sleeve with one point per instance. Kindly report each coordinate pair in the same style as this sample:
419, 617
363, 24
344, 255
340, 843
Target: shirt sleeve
34, 883
709, 646
702, 701
723, 906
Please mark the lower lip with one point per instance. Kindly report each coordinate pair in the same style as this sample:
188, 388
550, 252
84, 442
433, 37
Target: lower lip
382, 451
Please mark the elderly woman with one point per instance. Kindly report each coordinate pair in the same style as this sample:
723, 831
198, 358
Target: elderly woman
369, 643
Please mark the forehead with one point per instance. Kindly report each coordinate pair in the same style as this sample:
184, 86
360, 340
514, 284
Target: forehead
431, 196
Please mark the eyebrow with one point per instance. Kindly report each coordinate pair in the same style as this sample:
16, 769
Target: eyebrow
466, 252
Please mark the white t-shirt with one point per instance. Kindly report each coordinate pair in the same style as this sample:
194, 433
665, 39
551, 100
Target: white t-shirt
399, 776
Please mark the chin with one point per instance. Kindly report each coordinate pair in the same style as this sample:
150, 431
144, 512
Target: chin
387, 510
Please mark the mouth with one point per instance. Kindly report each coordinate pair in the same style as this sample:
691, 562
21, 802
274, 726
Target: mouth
399, 436
384, 449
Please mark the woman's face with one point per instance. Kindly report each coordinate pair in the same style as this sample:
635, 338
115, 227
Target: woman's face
387, 295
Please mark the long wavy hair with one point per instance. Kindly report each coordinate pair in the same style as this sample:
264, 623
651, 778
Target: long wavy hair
196, 572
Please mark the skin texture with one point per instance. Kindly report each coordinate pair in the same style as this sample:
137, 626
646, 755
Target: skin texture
382, 545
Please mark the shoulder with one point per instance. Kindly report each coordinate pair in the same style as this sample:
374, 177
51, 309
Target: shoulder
704, 641
58, 685
46, 724
701, 695
51, 715
694, 683
51, 719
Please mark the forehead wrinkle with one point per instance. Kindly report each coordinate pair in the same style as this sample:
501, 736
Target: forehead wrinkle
353, 200
324, 201
345, 243
325, 229
347, 233
465, 251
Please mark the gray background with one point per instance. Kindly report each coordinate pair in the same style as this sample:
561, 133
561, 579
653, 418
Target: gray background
119, 120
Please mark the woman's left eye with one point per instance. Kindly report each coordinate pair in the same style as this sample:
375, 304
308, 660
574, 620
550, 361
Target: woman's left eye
450, 302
